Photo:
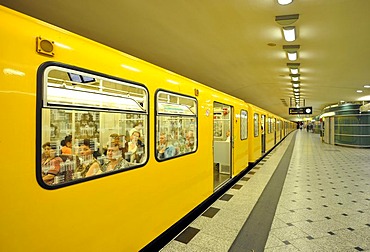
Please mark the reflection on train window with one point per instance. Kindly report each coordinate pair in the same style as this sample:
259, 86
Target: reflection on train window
243, 125
90, 125
256, 124
176, 125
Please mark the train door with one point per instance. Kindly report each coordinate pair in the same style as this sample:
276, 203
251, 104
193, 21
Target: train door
222, 143
263, 135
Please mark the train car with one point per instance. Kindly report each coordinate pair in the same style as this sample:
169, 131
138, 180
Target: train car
101, 150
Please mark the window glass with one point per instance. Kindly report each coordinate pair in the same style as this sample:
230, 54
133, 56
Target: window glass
90, 127
176, 125
256, 123
243, 125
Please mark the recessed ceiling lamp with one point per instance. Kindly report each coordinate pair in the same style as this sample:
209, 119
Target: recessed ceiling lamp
359, 91
284, 2
294, 70
292, 51
289, 33
293, 67
288, 30
367, 86
296, 84
295, 77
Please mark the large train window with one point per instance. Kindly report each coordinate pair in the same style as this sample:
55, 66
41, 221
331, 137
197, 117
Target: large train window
243, 124
176, 125
90, 125
256, 124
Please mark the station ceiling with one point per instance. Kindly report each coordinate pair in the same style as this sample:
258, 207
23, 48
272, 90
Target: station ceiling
235, 46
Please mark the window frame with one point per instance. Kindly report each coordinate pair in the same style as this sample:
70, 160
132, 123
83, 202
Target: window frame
256, 127
157, 113
41, 104
241, 124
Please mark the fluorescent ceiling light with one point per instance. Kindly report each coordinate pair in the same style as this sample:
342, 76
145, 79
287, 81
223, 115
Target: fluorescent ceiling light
295, 78
359, 91
284, 2
292, 56
295, 85
294, 70
289, 33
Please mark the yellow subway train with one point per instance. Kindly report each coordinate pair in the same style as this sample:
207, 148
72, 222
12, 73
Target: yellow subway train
106, 152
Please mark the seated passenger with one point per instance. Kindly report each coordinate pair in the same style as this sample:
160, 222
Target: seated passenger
227, 136
164, 149
189, 141
50, 164
133, 146
88, 166
67, 145
115, 159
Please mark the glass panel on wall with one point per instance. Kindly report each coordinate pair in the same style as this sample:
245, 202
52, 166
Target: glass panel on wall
90, 125
176, 125
243, 125
256, 124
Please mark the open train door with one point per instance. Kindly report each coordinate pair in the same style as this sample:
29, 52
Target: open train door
222, 143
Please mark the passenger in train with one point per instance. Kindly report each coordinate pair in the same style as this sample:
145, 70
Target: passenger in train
88, 166
50, 164
115, 159
164, 149
67, 145
137, 127
227, 136
135, 147
189, 141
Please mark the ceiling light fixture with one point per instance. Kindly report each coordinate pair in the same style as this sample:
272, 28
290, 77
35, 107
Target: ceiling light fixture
289, 33
285, 20
294, 70
295, 77
293, 67
292, 56
284, 2
295, 85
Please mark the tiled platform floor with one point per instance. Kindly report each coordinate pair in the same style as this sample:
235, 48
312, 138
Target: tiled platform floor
324, 205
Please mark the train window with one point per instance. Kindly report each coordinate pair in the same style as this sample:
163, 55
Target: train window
256, 124
176, 125
90, 128
270, 130
243, 124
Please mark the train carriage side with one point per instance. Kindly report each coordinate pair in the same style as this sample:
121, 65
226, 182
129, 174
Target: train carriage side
65, 84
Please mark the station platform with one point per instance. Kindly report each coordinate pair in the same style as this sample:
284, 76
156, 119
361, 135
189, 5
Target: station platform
304, 195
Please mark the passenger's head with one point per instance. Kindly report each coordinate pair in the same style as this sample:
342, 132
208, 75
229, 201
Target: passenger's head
49, 149
86, 147
115, 139
162, 138
135, 136
138, 125
68, 141
114, 152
